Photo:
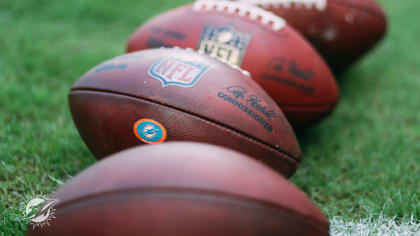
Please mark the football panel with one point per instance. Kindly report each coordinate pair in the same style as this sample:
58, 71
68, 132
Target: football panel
170, 166
219, 93
107, 121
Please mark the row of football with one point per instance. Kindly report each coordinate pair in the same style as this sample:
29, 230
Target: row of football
243, 75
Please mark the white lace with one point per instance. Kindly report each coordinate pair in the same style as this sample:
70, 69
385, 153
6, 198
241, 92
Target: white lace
242, 9
318, 4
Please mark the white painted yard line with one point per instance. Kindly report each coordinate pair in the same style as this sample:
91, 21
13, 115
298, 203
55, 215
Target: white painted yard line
374, 226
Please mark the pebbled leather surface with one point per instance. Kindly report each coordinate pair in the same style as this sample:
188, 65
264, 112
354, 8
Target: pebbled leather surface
281, 62
182, 189
343, 32
105, 104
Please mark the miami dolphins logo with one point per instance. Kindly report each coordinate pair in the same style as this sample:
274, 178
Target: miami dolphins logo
37, 211
149, 131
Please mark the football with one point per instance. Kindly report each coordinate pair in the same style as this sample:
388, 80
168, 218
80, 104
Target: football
278, 58
159, 95
341, 30
181, 189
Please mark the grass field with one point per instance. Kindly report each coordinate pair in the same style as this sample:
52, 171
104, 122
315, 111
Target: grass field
362, 163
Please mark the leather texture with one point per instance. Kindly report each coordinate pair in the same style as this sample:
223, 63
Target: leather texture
182, 189
343, 32
280, 61
224, 107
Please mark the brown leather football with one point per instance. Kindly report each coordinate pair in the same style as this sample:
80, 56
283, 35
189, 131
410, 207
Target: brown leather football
181, 189
161, 95
277, 57
341, 30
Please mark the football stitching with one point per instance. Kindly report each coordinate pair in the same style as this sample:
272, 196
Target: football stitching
253, 12
309, 4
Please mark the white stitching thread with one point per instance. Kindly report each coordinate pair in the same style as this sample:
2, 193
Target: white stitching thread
254, 13
318, 4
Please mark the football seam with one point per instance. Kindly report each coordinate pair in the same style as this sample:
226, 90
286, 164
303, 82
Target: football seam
288, 156
219, 196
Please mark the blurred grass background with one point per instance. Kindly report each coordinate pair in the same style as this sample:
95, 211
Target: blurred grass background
362, 161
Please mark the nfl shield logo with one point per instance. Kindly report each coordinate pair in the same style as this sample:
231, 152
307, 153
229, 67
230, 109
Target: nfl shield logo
225, 43
177, 72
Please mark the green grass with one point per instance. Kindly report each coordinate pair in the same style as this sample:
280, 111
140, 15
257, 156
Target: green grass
364, 160
361, 162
